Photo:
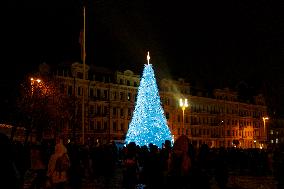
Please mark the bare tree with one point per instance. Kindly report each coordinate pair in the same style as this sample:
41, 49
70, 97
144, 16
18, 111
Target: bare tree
43, 107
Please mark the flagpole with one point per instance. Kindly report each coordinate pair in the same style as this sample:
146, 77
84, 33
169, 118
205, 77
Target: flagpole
84, 65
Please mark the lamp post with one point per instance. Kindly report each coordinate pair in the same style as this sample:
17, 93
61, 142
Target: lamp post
34, 81
183, 104
264, 127
221, 131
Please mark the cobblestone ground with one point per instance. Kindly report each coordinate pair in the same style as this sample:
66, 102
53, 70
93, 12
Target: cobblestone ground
115, 182
252, 182
235, 182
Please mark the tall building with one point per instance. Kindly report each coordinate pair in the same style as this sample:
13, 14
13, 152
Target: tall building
217, 118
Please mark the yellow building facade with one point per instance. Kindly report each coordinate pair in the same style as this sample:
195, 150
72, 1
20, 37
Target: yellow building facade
218, 119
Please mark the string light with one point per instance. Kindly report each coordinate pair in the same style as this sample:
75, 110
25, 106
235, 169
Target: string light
148, 123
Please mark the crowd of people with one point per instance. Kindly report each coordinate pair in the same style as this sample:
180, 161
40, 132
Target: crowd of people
60, 165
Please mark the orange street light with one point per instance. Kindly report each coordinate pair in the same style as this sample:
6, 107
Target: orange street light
183, 104
264, 126
33, 82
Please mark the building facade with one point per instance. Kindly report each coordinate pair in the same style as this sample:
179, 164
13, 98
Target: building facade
219, 119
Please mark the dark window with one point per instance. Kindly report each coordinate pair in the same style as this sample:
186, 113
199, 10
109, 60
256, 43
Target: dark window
80, 75
61, 88
121, 95
69, 90
98, 93
99, 125
91, 92
92, 125
167, 115
114, 95
114, 126
99, 109
105, 110
114, 111
79, 91
91, 111
105, 94
105, 125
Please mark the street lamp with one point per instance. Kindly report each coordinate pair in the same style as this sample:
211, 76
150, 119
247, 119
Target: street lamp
264, 127
183, 104
33, 82
223, 131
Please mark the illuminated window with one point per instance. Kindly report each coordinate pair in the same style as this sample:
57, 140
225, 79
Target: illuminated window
128, 96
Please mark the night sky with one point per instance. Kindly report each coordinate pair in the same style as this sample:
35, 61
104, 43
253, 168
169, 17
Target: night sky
211, 44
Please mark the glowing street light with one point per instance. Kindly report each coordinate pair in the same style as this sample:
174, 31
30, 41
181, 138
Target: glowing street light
33, 81
264, 126
183, 104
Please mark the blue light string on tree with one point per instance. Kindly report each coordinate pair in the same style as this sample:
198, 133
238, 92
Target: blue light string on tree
148, 123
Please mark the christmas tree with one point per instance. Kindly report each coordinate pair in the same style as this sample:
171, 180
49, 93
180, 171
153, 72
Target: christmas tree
148, 124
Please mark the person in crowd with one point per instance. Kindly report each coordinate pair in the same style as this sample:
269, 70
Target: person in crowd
38, 166
153, 170
180, 164
76, 170
58, 167
221, 169
130, 167
9, 174
278, 165
165, 156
